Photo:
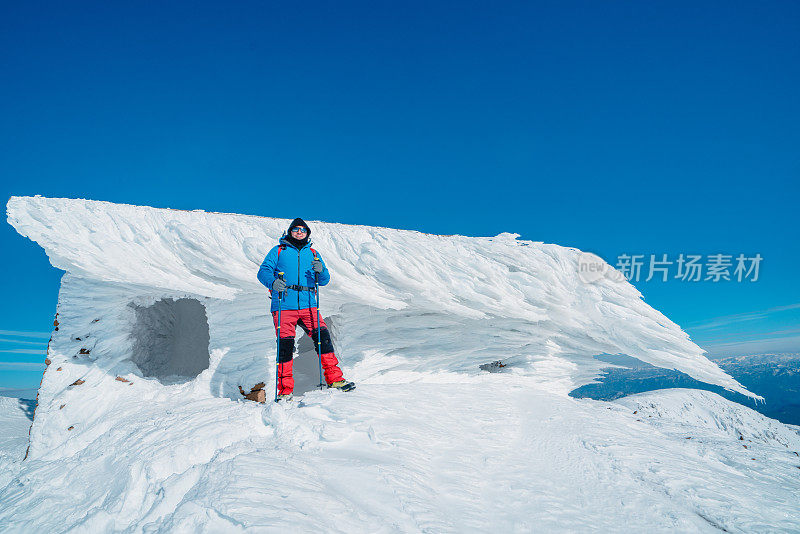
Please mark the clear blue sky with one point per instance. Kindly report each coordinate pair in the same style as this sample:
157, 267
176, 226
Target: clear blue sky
614, 127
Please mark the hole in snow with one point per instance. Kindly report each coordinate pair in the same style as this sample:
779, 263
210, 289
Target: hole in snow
171, 340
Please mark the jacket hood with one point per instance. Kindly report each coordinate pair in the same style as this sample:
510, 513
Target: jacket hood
296, 243
299, 222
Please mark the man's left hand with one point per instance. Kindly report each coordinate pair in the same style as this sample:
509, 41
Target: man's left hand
317, 266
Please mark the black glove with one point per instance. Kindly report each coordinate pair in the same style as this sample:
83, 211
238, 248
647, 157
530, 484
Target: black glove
317, 266
279, 285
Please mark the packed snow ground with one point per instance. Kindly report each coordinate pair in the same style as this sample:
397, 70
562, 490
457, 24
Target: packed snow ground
15, 423
496, 452
140, 428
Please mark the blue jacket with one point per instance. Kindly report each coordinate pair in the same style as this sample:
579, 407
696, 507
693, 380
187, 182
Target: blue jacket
296, 267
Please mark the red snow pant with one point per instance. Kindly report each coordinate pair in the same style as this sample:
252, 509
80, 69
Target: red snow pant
307, 320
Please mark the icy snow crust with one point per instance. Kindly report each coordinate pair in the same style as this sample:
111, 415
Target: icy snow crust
133, 433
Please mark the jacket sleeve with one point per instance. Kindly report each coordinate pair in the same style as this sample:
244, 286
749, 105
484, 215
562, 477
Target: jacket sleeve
266, 273
325, 276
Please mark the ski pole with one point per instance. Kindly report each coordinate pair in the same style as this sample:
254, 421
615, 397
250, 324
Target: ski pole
278, 330
319, 327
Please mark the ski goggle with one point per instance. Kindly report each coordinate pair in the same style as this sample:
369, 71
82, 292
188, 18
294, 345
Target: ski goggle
300, 229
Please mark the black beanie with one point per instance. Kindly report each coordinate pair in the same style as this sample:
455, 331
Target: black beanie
299, 243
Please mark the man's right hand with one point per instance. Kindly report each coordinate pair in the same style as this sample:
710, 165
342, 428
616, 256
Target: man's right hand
279, 285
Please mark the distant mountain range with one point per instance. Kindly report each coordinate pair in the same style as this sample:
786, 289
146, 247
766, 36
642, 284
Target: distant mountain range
24, 393
774, 376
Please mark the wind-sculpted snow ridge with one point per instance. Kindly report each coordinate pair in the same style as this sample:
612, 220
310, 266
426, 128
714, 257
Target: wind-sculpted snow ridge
140, 427
399, 300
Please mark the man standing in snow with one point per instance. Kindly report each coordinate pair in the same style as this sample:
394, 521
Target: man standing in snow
302, 267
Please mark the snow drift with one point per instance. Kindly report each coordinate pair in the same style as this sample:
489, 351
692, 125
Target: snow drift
140, 282
164, 297
161, 319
